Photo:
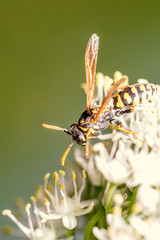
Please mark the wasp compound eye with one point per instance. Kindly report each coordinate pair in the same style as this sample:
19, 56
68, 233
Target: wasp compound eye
77, 135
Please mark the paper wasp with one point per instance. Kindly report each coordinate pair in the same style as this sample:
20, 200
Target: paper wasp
97, 118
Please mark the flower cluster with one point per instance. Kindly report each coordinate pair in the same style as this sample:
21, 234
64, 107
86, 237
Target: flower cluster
131, 168
53, 210
123, 176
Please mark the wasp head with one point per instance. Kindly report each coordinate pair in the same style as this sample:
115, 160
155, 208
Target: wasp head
77, 134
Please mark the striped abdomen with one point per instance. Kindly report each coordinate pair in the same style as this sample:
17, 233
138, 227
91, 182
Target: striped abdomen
133, 95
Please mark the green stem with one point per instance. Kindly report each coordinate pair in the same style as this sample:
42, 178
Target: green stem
91, 224
109, 197
132, 201
69, 232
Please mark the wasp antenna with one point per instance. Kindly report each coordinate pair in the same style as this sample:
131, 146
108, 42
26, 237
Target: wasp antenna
66, 153
56, 128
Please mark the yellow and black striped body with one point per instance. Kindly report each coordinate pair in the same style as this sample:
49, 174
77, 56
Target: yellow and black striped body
133, 95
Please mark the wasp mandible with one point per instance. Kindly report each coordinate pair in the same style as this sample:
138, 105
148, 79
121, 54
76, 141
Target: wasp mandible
95, 118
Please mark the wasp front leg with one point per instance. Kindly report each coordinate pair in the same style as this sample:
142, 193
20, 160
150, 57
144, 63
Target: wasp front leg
93, 133
90, 134
87, 150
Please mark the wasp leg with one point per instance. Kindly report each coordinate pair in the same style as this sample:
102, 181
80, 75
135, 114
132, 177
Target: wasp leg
119, 112
114, 122
88, 134
126, 130
92, 133
111, 127
87, 150
119, 127
133, 133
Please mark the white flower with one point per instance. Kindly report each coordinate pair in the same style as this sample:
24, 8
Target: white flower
113, 169
145, 168
129, 159
39, 232
67, 208
123, 163
118, 230
102, 162
58, 206
148, 228
149, 199
145, 121
89, 166
100, 234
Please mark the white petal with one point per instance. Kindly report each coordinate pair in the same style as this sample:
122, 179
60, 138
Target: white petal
142, 166
148, 197
113, 171
80, 158
154, 231
100, 234
93, 173
44, 234
69, 222
139, 225
53, 216
85, 211
86, 203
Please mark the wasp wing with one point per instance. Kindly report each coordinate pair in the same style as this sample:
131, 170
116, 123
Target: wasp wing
90, 65
108, 97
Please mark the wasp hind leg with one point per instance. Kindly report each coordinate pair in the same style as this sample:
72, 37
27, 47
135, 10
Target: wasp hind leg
119, 112
119, 127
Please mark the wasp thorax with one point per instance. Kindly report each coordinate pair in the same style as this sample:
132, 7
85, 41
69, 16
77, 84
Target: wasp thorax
77, 134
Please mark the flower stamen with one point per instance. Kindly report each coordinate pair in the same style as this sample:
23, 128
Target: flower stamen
45, 178
34, 200
75, 185
55, 179
27, 209
24, 229
83, 185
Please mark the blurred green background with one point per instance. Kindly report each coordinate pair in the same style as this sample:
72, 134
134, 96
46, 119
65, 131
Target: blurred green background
42, 46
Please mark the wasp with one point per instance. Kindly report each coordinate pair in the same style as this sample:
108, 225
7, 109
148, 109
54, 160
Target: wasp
96, 118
